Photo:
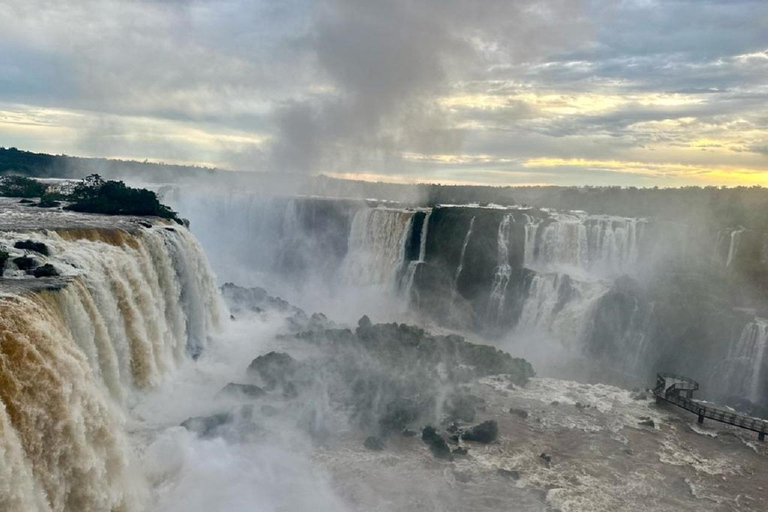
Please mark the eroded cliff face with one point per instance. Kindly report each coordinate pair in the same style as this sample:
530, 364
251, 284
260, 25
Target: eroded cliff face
130, 302
632, 295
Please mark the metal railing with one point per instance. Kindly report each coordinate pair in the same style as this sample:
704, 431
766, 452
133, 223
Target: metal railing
680, 393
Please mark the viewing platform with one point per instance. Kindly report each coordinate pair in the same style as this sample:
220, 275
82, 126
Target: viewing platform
678, 390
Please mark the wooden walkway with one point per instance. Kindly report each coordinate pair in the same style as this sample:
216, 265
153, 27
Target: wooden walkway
678, 390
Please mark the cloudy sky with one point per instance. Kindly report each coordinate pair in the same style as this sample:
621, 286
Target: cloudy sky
600, 92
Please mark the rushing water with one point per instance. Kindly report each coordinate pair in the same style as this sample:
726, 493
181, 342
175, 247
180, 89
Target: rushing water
133, 307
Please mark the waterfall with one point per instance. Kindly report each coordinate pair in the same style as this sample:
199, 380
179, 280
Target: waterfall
502, 272
746, 360
733, 247
559, 305
531, 229
601, 244
129, 308
410, 272
463, 252
376, 247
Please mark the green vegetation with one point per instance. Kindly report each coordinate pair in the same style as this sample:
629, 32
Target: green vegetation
19, 186
94, 195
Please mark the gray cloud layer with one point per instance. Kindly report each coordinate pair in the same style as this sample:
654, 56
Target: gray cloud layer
389, 87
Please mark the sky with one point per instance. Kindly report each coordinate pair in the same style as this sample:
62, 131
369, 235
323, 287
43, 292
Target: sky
493, 92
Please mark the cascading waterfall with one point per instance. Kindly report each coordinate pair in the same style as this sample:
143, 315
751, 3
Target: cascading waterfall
559, 305
746, 360
733, 246
502, 272
376, 249
410, 272
606, 245
531, 229
460, 267
131, 307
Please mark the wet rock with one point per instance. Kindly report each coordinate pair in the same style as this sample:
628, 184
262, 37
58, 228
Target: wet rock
276, 369
641, 395
364, 322
31, 245
462, 477
205, 426
554, 402
580, 406
647, 422
26, 201
25, 263
3, 261
249, 390
436, 443
374, 443
507, 473
485, 432
145, 224
398, 414
46, 270
409, 433
460, 451
522, 413
546, 459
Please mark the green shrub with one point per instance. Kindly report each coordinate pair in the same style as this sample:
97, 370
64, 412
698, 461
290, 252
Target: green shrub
19, 186
94, 195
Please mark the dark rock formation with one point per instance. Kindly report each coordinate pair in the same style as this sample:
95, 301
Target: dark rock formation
25, 263
546, 459
486, 432
506, 473
46, 270
647, 422
374, 443
522, 413
3, 261
276, 369
436, 443
31, 245
205, 426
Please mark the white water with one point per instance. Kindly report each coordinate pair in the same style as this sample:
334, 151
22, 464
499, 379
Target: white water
410, 272
560, 307
72, 360
746, 360
733, 246
460, 267
597, 244
501, 273
376, 250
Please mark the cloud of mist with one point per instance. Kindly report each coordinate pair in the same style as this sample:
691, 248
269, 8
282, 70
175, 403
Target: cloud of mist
388, 63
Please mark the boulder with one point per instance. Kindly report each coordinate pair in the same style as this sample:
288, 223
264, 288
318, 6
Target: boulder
276, 369
436, 443
506, 473
374, 443
460, 451
31, 245
25, 263
522, 413
546, 459
647, 422
486, 432
46, 270
206, 426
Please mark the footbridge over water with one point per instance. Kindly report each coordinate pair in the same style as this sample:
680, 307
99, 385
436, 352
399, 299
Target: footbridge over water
678, 390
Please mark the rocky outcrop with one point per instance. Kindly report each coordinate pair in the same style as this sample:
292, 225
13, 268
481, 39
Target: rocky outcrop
31, 245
